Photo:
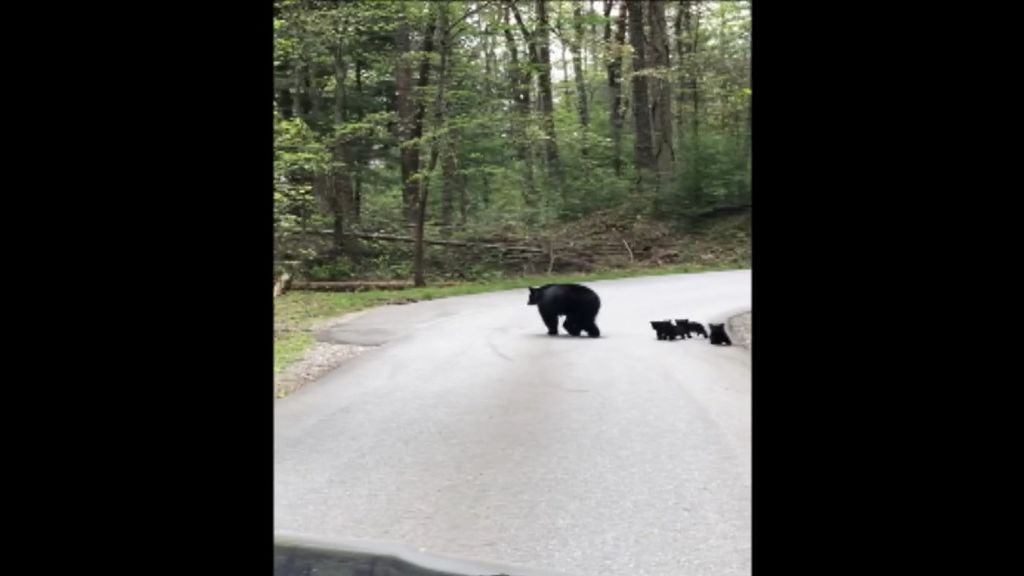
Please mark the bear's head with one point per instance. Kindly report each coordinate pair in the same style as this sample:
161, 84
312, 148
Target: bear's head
535, 295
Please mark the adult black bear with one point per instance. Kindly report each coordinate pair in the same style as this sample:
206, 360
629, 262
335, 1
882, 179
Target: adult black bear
688, 328
578, 304
718, 335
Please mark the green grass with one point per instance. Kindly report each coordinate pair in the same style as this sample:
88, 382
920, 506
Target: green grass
296, 312
289, 348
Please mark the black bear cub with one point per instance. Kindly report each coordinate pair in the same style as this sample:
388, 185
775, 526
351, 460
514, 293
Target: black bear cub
664, 329
681, 328
686, 327
577, 303
718, 335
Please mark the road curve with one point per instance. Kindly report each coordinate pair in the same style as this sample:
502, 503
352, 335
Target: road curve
472, 434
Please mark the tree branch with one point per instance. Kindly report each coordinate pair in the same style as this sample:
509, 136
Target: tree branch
460, 20
531, 45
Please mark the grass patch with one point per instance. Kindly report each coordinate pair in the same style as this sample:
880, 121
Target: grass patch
296, 312
289, 348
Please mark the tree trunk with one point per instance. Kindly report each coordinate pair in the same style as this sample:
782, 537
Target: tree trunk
748, 134
316, 111
463, 182
439, 119
546, 99
449, 168
357, 199
688, 30
682, 29
593, 36
644, 156
661, 93
404, 107
487, 54
614, 67
446, 145
341, 156
694, 78
421, 221
520, 84
566, 89
410, 112
359, 160
577, 69
485, 198
537, 44
303, 105
285, 103
339, 229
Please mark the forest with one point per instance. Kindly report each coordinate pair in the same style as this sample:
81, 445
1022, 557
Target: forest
427, 142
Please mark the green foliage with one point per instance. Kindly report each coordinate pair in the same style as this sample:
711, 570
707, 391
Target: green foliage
390, 265
339, 269
715, 176
298, 154
505, 183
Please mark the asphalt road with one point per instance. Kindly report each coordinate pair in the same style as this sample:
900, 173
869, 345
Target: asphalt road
473, 434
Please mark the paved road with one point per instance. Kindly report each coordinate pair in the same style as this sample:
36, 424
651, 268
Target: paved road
471, 433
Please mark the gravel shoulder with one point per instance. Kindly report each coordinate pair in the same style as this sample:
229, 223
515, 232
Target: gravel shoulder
318, 360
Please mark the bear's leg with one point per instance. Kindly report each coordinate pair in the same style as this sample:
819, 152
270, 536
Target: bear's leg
551, 321
571, 327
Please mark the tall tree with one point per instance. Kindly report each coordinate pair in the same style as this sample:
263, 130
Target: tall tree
519, 82
643, 148
543, 44
661, 92
342, 157
408, 133
695, 73
576, 47
386, 122
537, 42
682, 29
613, 58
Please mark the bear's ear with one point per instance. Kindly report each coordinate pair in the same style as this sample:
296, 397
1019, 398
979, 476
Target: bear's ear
532, 289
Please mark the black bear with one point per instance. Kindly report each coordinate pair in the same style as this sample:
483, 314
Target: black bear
578, 304
682, 328
687, 327
664, 329
718, 335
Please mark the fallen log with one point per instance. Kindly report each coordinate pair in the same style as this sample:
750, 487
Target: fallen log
460, 243
359, 286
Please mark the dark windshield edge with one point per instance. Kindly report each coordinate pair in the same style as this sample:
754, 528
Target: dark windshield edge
302, 555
